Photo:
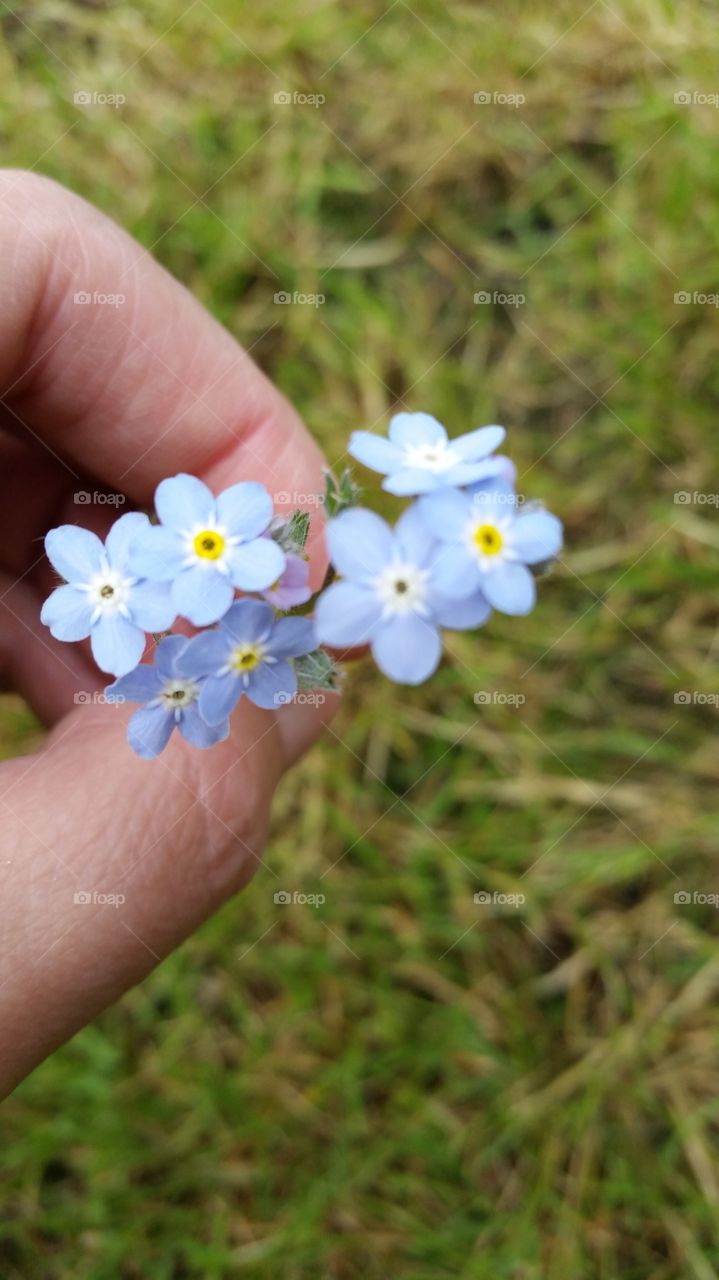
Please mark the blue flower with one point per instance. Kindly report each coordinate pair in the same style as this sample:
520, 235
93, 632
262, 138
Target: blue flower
389, 598
487, 543
103, 597
247, 655
171, 702
419, 457
207, 546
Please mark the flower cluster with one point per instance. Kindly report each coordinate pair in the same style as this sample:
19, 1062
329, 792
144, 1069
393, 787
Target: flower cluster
228, 565
461, 549
190, 565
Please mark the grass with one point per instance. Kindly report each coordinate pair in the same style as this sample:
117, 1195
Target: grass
399, 1082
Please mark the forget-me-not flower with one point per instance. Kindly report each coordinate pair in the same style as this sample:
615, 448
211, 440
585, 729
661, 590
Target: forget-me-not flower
418, 457
207, 546
389, 597
171, 702
487, 543
248, 655
292, 588
103, 597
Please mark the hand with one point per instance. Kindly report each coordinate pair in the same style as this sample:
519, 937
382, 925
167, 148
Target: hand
108, 395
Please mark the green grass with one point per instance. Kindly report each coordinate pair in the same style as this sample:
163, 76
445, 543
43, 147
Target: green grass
399, 1082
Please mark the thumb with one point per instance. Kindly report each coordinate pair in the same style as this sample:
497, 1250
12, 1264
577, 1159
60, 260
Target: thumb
110, 861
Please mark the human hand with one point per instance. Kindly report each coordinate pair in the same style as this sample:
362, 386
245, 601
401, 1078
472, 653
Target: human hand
104, 396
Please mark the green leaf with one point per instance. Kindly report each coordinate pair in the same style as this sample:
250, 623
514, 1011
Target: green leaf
291, 534
317, 670
340, 494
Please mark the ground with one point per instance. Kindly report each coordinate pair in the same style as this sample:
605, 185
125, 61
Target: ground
505, 213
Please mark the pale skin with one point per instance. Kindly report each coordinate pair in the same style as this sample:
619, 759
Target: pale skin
118, 397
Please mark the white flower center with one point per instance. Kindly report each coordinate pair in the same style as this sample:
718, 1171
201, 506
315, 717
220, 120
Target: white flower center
486, 539
402, 588
431, 457
207, 545
109, 592
245, 657
178, 694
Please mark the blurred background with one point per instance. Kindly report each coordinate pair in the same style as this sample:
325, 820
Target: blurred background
497, 213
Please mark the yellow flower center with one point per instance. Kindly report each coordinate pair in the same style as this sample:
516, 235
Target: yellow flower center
488, 539
245, 657
209, 544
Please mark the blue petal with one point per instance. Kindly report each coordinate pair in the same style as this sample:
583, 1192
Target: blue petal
504, 479
256, 565
411, 481
536, 536
195, 730
446, 514
204, 655
412, 536
148, 732
183, 501
245, 509
407, 649
477, 444
141, 685
360, 544
168, 654
271, 687
117, 646
218, 697
158, 554
67, 612
292, 637
454, 572
76, 553
461, 615
407, 429
202, 594
465, 474
248, 620
492, 503
151, 606
510, 588
374, 451
346, 615
123, 535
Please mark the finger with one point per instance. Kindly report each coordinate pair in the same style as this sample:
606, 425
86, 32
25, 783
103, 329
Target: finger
171, 838
52, 676
115, 367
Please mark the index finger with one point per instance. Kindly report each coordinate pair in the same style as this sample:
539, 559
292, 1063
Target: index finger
114, 365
